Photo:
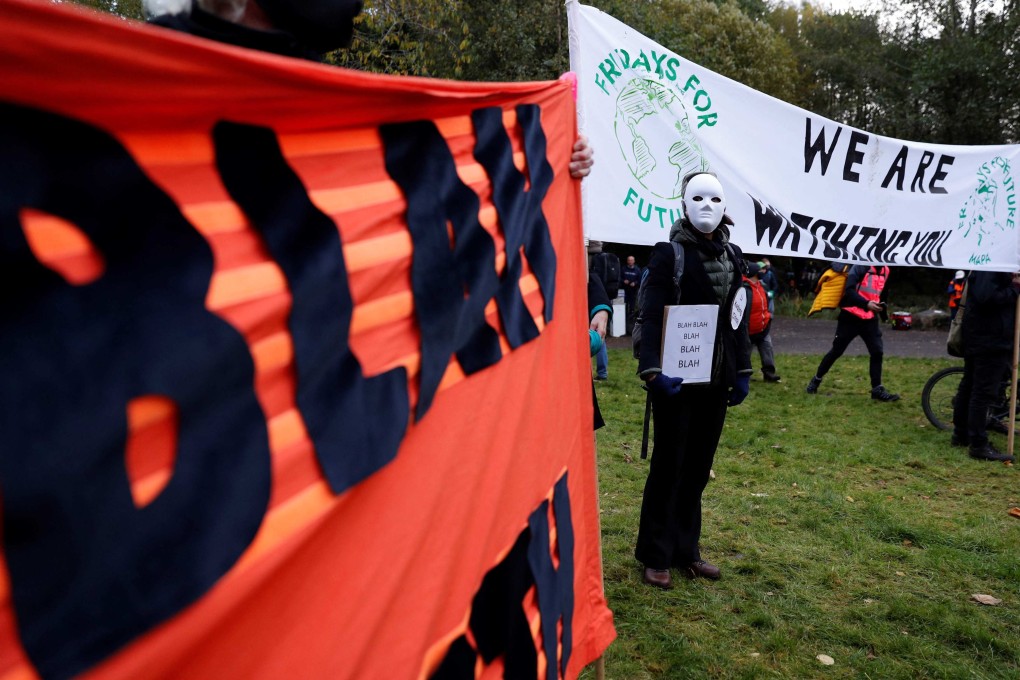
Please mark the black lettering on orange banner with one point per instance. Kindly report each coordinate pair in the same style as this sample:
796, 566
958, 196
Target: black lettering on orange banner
356, 423
89, 570
520, 213
498, 622
453, 283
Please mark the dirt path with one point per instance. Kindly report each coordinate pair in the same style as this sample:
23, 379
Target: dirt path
814, 336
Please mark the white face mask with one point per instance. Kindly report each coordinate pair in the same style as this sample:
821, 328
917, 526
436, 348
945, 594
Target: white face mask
704, 203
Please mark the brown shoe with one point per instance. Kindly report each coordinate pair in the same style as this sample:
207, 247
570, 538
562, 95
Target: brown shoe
659, 578
703, 569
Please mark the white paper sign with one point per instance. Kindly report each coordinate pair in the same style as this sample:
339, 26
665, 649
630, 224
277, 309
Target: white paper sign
688, 342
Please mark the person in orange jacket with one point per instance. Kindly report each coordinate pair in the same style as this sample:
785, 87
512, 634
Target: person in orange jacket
760, 325
955, 292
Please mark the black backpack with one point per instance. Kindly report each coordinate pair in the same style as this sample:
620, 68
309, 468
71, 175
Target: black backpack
678, 272
607, 267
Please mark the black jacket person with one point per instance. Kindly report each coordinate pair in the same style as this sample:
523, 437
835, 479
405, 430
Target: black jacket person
689, 419
292, 28
988, 321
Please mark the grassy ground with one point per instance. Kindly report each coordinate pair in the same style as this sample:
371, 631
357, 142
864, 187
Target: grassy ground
843, 526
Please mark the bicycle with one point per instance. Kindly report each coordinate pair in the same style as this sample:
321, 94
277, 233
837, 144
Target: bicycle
939, 396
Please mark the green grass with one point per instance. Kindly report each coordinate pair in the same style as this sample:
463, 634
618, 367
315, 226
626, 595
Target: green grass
843, 526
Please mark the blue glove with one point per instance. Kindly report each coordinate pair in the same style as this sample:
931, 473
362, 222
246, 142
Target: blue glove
740, 390
664, 386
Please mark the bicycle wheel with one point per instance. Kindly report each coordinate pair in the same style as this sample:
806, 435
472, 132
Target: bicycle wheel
938, 396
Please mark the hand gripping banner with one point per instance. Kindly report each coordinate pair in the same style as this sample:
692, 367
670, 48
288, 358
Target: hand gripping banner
796, 183
295, 379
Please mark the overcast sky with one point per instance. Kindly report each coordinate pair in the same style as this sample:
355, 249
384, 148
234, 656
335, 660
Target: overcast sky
844, 5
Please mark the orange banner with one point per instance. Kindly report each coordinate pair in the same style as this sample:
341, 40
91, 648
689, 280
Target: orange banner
295, 369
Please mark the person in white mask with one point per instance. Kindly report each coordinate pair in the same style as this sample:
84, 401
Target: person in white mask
689, 419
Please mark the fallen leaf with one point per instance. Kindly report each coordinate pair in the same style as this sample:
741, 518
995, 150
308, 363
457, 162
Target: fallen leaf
850, 499
900, 573
755, 655
1014, 512
986, 599
826, 659
711, 474
907, 542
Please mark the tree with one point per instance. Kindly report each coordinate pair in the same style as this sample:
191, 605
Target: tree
129, 9
719, 37
408, 37
964, 69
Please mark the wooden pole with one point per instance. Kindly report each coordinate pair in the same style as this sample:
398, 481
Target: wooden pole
1012, 387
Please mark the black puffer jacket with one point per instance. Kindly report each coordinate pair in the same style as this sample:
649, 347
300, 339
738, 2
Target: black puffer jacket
709, 278
990, 313
205, 25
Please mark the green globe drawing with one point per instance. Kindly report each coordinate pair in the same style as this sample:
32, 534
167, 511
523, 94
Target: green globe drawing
985, 216
655, 137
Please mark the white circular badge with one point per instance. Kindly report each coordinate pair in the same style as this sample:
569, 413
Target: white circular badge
739, 305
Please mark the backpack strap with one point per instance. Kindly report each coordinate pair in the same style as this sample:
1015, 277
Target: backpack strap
737, 261
678, 266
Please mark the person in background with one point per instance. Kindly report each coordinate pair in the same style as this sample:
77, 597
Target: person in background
770, 282
760, 324
630, 279
955, 292
599, 314
689, 421
988, 322
858, 316
808, 276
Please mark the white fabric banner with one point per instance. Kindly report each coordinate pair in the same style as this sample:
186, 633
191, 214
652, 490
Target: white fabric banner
796, 183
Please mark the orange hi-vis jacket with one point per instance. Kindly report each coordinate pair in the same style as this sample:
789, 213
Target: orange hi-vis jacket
956, 292
760, 316
870, 288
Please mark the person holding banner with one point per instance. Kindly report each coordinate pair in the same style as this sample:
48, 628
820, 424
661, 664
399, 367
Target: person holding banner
306, 29
689, 418
858, 316
988, 321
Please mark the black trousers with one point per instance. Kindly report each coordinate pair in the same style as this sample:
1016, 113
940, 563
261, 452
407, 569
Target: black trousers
848, 327
687, 431
980, 389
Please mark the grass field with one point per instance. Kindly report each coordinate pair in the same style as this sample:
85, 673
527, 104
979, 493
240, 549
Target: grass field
844, 527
